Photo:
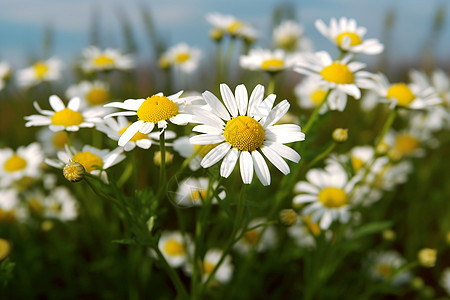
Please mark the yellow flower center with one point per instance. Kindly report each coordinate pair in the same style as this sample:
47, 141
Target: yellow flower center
204, 149
401, 92
182, 57
102, 61
40, 68
97, 96
337, 73
67, 117
59, 139
273, 64
15, 163
235, 27
88, 160
56, 207
136, 137
317, 97
207, 267
252, 237
406, 144
198, 195
5, 249
354, 38
332, 197
384, 269
313, 227
157, 108
244, 133
174, 247
288, 42
356, 163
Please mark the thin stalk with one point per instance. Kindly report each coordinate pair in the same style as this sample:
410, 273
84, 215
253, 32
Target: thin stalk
312, 119
228, 56
162, 167
386, 127
271, 85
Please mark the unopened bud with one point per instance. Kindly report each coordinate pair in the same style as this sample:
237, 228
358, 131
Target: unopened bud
388, 235
340, 135
216, 34
157, 158
74, 171
5, 249
417, 283
427, 257
288, 217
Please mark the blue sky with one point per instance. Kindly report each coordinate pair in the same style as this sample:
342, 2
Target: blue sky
22, 23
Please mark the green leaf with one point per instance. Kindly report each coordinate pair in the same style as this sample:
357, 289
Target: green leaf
371, 228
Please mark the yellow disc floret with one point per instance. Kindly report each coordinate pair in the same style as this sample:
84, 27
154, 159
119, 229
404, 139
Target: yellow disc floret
332, 197
252, 237
198, 195
73, 171
67, 117
182, 57
40, 69
402, 93
244, 133
234, 27
15, 163
59, 139
356, 163
157, 108
97, 96
354, 38
338, 73
317, 96
287, 42
88, 160
406, 144
103, 61
136, 137
207, 267
174, 247
273, 64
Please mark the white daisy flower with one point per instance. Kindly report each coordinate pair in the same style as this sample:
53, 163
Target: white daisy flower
259, 239
303, 232
5, 72
11, 209
412, 96
52, 141
95, 59
231, 25
90, 93
289, 37
193, 191
186, 149
59, 204
243, 128
212, 257
383, 265
49, 70
445, 280
115, 128
311, 93
344, 77
15, 165
327, 193
407, 142
155, 110
65, 118
183, 57
348, 36
267, 60
174, 247
94, 161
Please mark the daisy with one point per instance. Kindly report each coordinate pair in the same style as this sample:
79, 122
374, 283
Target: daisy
5, 73
348, 37
267, 60
174, 247
15, 165
311, 93
241, 128
343, 77
95, 59
260, 239
304, 231
427, 257
407, 142
383, 265
51, 141
11, 209
412, 96
211, 259
445, 280
49, 70
90, 93
183, 57
115, 128
231, 25
327, 193
155, 110
193, 191
289, 37
94, 161
60, 204
186, 149
64, 118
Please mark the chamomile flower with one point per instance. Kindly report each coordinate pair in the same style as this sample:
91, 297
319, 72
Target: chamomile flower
401, 94
231, 25
242, 129
11, 208
60, 204
343, 77
155, 110
174, 247
115, 128
211, 259
327, 193
383, 265
348, 36
259, 59
94, 161
183, 57
303, 232
260, 239
186, 149
193, 191
289, 36
65, 118
49, 70
15, 165
407, 142
90, 93
52, 141
95, 59
311, 93
5, 72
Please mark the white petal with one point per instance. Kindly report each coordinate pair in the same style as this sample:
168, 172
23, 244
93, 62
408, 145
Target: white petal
42, 111
182, 119
261, 168
74, 104
255, 99
130, 132
174, 96
275, 159
229, 162
121, 113
207, 129
129, 146
284, 151
147, 127
228, 99
207, 139
285, 133
215, 155
305, 187
241, 99
56, 103
144, 143
246, 167
264, 108
216, 106
130, 104
277, 113
325, 222
300, 199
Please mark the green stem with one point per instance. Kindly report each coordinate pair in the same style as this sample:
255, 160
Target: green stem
271, 86
312, 119
386, 127
219, 62
323, 154
162, 170
228, 56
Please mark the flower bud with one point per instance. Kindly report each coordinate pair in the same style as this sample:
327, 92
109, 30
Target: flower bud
288, 217
216, 34
388, 235
157, 158
5, 249
427, 257
74, 171
340, 135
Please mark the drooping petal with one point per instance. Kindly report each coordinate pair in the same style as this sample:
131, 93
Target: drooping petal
130, 132
246, 167
229, 162
261, 168
215, 155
